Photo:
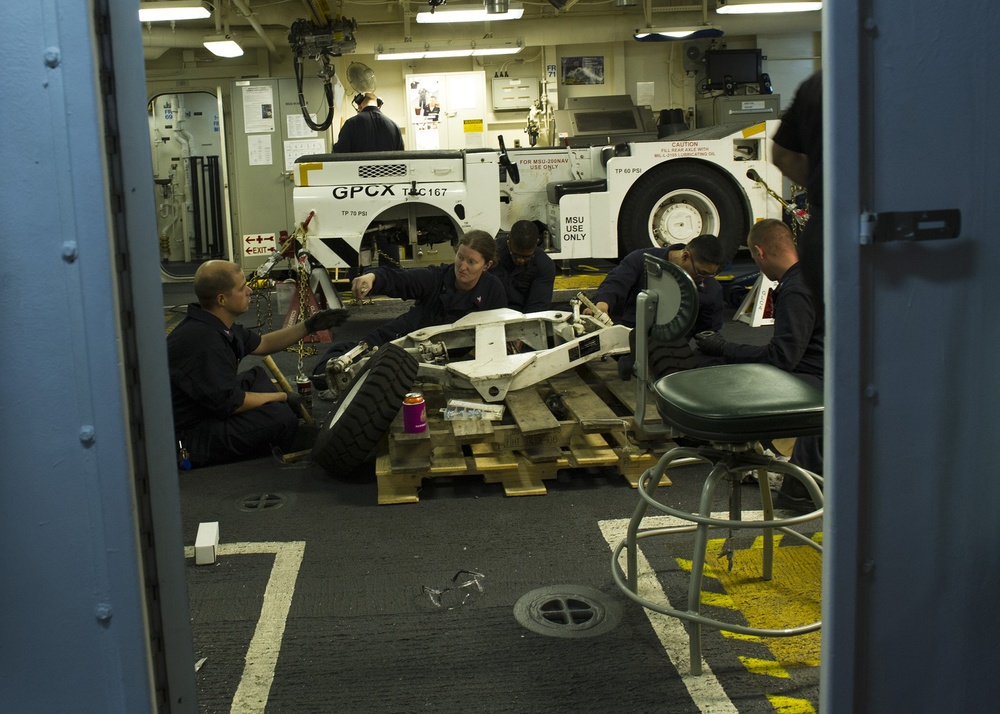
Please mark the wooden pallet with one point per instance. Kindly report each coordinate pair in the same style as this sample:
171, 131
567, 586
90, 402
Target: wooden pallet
598, 431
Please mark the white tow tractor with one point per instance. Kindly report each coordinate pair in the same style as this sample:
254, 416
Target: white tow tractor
597, 201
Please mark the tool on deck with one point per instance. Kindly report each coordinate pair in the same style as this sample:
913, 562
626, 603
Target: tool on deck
283, 383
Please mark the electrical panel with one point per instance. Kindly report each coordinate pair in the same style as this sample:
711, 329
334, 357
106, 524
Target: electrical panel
739, 109
514, 93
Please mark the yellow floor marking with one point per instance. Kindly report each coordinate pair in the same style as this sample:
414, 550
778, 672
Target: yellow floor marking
578, 282
765, 666
790, 598
262, 654
791, 705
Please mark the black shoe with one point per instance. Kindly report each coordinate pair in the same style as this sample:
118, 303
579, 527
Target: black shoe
791, 503
626, 367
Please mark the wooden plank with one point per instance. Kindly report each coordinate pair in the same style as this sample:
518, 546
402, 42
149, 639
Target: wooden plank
485, 458
542, 454
529, 412
591, 450
523, 455
448, 460
467, 431
581, 401
395, 488
624, 392
527, 479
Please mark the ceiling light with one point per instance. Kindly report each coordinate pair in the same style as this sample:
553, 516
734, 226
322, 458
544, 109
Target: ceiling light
430, 50
223, 46
667, 34
748, 7
469, 13
172, 10
511, 47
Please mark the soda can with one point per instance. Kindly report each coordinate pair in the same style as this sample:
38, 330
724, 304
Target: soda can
414, 413
305, 390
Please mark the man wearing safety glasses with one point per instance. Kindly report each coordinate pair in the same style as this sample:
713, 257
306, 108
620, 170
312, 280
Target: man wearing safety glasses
701, 258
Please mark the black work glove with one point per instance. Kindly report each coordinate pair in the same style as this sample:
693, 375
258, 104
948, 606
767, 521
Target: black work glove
324, 320
710, 343
295, 401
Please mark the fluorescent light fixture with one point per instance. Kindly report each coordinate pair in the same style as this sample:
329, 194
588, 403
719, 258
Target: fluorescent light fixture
168, 10
469, 13
223, 46
751, 7
431, 50
668, 34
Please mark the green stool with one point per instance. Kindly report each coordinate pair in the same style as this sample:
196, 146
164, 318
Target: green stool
733, 408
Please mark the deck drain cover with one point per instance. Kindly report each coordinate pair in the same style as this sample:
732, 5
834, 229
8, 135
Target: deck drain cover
568, 611
260, 501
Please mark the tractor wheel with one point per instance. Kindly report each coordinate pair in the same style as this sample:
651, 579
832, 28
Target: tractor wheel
677, 202
365, 411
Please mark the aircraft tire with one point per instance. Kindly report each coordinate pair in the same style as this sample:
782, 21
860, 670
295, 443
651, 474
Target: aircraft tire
363, 414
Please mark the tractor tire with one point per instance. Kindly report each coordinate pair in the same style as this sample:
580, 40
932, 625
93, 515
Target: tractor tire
363, 414
676, 202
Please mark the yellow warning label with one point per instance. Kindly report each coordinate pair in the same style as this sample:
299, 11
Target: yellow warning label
472, 126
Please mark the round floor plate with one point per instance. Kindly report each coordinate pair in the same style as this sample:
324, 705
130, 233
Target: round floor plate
568, 611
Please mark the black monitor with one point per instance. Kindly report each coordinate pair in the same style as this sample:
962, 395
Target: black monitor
741, 66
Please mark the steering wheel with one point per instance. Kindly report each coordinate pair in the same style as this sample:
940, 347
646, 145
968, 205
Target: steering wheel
509, 166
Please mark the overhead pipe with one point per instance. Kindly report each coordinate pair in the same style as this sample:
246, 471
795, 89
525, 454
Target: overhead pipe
247, 13
166, 38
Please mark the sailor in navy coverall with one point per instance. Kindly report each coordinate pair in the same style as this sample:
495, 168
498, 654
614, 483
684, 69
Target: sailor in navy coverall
701, 258
796, 344
524, 268
371, 130
443, 293
220, 414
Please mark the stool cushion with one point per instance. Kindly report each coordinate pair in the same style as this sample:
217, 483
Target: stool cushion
735, 403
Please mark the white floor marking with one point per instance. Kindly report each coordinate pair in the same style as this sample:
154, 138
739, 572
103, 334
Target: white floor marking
262, 654
705, 690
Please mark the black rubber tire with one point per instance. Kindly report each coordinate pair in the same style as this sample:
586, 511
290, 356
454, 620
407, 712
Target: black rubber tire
717, 200
363, 414
668, 357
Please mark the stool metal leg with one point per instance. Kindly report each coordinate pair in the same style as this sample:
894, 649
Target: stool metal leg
655, 473
767, 508
698, 564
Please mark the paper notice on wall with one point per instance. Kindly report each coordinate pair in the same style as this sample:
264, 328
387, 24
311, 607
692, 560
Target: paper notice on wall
428, 136
259, 149
462, 92
302, 147
644, 93
474, 134
297, 127
258, 109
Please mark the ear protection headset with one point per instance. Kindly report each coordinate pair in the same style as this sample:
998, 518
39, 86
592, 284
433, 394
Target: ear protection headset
360, 97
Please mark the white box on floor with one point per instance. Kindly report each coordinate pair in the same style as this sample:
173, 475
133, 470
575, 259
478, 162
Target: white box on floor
206, 543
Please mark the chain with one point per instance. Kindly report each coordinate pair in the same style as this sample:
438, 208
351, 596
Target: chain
303, 278
261, 290
381, 255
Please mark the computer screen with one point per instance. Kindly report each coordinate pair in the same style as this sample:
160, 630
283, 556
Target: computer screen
744, 66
